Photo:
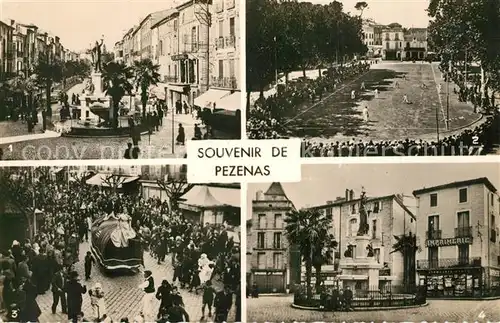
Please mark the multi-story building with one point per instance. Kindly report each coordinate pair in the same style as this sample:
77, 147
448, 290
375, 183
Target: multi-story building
459, 223
224, 57
7, 62
372, 37
388, 216
118, 51
269, 253
415, 44
392, 42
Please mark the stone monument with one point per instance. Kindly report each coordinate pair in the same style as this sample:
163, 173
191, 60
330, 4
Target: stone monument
361, 265
95, 106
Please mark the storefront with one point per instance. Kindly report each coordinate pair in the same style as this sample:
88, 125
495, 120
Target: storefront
452, 282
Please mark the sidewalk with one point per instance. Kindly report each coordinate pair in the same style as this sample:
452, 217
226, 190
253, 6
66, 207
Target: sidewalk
14, 139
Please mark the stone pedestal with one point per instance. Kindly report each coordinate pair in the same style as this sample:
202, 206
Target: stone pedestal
97, 81
360, 268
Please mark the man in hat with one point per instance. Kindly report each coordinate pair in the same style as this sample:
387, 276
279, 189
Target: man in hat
164, 295
223, 302
74, 291
58, 283
148, 286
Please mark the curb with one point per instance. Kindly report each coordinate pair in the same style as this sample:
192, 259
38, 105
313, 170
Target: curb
492, 298
362, 309
114, 136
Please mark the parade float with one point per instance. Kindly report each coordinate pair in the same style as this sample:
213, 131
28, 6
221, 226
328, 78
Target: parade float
114, 243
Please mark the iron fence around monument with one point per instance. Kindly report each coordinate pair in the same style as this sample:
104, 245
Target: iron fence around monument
384, 297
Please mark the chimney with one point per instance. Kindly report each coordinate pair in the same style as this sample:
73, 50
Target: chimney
12, 22
329, 202
339, 198
259, 196
351, 195
347, 194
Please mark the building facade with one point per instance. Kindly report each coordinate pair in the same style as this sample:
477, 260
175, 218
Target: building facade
7, 62
269, 253
459, 223
415, 46
372, 38
392, 42
388, 216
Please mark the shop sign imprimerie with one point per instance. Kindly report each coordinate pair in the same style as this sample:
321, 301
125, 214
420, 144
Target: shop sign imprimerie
448, 242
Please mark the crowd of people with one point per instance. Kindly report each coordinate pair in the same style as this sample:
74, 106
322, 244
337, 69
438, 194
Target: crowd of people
263, 120
477, 141
203, 257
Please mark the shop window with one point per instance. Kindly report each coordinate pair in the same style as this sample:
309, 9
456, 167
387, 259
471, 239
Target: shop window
462, 195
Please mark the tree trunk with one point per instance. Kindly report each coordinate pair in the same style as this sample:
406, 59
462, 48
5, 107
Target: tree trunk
48, 107
115, 103
317, 273
304, 72
248, 99
309, 273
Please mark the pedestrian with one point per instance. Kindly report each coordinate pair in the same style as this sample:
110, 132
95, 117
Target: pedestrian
353, 95
58, 283
208, 299
163, 294
366, 115
223, 302
128, 151
74, 292
405, 99
348, 298
31, 311
148, 286
177, 313
376, 93
89, 261
181, 136
97, 301
197, 132
363, 86
186, 107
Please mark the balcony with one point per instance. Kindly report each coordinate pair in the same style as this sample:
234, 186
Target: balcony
219, 43
230, 41
463, 232
433, 234
443, 263
384, 272
170, 79
191, 47
225, 82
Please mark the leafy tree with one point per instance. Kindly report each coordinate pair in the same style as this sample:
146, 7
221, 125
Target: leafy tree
175, 186
407, 245
47, 73
361, 6
468, 25
117, 78
309, 231
146, 74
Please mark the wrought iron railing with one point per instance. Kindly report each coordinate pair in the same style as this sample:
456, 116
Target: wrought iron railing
449, 263
433, 234
462, 232
225, 82
384, 272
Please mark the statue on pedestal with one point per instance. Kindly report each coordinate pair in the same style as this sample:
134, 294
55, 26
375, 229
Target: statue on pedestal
97, 55
363, 216
89, 87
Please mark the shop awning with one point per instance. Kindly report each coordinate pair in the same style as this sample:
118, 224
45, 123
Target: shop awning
108, 180
210, 96
204, 196
230, 102
158, 90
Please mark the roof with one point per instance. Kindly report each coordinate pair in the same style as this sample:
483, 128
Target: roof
205, 196
275, 189
481, 180
171, 12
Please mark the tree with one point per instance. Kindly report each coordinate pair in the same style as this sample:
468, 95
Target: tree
22, 89
407, 245
117, 78
474, 23
146, 74
361, 6
309, 231
114, 181
47, 73
175, 186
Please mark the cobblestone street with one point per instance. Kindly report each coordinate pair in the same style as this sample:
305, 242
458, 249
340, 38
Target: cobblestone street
278, 309
122, 295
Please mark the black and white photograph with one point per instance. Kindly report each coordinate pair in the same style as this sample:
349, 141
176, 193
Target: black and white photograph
375, 78
117, 79
117, 244
376, 243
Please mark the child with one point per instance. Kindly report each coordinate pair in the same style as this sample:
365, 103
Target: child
88, 264
97, 301
208, 299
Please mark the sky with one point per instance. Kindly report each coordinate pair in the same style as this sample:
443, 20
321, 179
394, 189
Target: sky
321, 183
408, 13
81, 22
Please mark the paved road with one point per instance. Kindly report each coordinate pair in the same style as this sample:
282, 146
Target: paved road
278, 309
122, 295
